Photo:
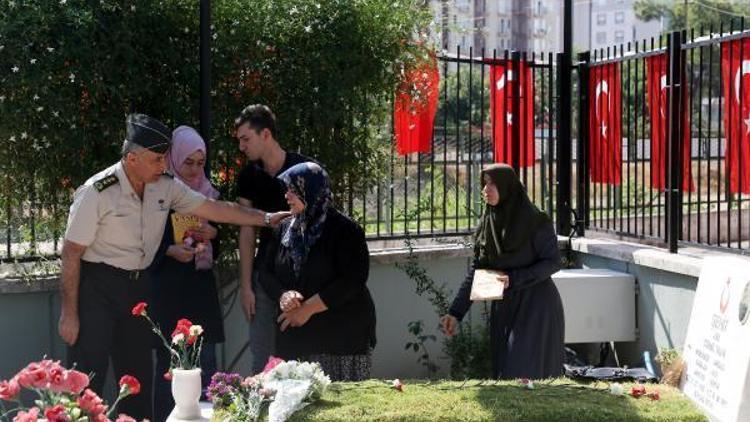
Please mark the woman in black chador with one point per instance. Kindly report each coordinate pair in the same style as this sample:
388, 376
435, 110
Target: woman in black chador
527, 325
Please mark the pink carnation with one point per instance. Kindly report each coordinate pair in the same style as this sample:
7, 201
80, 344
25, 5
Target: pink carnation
92, 404
125, 418
56, 379
9, 389
273, 362
76, 381
31, 416
34, 375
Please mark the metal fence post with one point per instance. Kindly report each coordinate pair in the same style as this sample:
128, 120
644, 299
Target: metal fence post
674, 157
205, 78
515, 76
582, 144
564, 143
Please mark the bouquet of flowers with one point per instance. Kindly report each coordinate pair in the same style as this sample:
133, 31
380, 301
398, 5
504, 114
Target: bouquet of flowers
186, 341
282, 389
62, 395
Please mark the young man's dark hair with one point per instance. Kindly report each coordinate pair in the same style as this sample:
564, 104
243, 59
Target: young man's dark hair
258, 117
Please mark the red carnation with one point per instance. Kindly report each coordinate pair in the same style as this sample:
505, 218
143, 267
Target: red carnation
56, 414
139, 309
638, 390
132, 384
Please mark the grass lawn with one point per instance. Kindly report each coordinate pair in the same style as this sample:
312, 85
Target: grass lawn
549, 401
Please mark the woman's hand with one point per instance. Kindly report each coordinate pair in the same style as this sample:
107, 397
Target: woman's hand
296, 317
181, 253
449, 324
291, 299
207, 231
502, 277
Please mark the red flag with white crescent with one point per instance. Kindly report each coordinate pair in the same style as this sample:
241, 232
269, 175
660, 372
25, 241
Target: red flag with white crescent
415, 108
503, 77
735, 73
605, 142
657, 90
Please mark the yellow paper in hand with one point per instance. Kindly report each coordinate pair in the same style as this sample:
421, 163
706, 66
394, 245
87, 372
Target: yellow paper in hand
488, 285
181, 223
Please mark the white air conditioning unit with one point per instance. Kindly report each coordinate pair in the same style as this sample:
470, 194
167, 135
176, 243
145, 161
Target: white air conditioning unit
599, 305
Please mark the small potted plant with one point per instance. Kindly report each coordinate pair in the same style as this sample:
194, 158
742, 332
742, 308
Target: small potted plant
671, 365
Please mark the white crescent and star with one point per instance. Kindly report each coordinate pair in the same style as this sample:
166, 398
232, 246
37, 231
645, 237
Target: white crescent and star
742, 70
500, 84
601, 87
662, 87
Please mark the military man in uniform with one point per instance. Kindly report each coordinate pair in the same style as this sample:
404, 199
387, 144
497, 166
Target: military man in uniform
114, 228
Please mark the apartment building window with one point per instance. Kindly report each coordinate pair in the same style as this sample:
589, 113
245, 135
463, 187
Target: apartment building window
601, 18
601, 37
619, 36
502, 6
619, 17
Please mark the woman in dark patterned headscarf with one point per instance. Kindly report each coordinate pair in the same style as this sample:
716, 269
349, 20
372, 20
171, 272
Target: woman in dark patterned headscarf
316, 268
527, 326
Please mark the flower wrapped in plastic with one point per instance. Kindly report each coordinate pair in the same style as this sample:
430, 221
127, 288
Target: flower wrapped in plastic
295, 370
283, 388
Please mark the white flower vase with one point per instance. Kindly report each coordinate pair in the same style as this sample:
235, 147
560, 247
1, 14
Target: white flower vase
186, 391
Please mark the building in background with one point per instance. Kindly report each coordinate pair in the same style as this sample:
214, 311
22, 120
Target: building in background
605, 23
535, 25
499, 24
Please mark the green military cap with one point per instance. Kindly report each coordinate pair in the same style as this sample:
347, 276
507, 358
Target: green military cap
148, 132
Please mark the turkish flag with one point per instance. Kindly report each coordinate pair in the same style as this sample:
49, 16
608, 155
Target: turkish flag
735, 69
503, 77
605, 142
415, 108
657, 90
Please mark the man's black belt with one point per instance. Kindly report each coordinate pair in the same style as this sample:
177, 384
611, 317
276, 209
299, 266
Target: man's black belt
129, 274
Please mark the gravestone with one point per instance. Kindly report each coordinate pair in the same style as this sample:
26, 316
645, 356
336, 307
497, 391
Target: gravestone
717, 347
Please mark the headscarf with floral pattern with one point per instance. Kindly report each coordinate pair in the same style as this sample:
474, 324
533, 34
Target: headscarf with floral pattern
309, 181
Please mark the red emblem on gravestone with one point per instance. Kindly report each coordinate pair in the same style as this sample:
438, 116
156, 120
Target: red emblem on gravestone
724, 297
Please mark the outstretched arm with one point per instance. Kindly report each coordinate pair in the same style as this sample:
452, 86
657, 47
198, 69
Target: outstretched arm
233, 213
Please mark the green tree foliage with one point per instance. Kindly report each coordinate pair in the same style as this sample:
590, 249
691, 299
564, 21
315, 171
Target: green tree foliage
71, 70
693, 15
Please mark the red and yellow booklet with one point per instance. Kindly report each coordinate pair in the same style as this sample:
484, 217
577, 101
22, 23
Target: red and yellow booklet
182, 224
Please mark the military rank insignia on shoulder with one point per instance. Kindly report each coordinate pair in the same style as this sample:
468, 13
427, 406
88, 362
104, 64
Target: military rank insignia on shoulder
106, 182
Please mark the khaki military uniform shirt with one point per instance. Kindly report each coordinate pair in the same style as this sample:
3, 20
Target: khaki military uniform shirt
116, 226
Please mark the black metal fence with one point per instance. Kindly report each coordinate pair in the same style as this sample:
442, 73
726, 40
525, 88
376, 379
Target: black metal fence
704, 209
437, 194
